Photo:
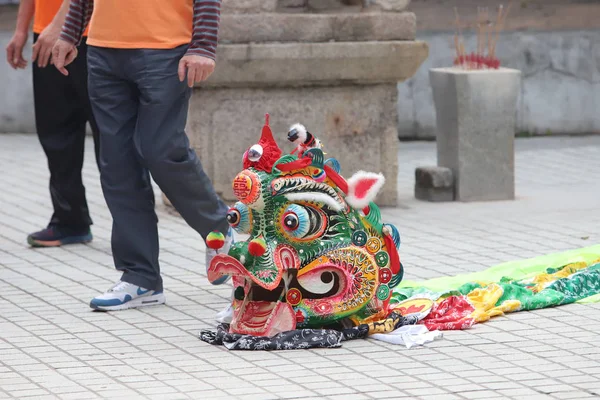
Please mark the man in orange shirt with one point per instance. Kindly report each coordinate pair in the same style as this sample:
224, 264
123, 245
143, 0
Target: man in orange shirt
139, 56
62, 109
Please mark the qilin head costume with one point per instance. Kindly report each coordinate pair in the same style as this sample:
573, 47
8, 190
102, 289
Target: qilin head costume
318, 252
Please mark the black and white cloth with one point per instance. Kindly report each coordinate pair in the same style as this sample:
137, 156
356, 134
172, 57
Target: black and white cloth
290, 340
295, 339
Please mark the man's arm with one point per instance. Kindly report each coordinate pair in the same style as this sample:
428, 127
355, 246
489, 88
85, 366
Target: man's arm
42, 49
77, 19
59, 18
207, 16
14, 50
24, 16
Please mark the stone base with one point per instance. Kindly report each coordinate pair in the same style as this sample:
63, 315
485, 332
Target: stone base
434, 195
356, 123
476, 113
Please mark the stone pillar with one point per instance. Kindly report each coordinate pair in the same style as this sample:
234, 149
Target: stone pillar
475, 113
330, 66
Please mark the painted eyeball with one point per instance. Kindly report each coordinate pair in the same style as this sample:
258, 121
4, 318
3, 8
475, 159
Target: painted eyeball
295, 220
255, 152
291, 221
240, 218
233, 217
303, 223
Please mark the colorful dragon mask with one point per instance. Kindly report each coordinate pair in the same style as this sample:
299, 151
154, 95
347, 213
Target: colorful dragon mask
318, 253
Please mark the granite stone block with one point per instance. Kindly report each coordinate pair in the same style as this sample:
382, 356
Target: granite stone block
316, 64
315, 28
475, 118
434, 184
349, 120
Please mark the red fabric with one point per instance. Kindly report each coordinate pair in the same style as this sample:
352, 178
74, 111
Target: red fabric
336, 178
294, 165
450, 314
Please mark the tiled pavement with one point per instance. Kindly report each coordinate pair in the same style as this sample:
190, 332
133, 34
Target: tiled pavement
53, 346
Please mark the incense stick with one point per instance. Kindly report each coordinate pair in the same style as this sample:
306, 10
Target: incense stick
487, 33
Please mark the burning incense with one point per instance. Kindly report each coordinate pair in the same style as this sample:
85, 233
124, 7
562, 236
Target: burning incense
484, 57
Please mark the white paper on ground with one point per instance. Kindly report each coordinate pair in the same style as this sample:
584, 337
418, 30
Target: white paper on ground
409, 335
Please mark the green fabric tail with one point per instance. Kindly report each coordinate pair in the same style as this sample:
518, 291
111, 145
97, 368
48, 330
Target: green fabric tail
580, 287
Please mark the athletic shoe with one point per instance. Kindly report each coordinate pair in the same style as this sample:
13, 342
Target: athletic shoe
126, 295
55, 236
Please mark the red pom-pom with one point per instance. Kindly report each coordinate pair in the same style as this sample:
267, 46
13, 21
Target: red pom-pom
215, 240
257, 247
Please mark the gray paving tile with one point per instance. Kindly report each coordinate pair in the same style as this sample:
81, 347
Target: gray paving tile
51, 345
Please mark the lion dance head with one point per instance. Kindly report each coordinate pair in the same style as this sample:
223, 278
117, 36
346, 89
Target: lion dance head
318, 252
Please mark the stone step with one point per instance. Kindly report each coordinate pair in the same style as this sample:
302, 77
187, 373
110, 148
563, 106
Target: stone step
310, 64
280, 27
313, 6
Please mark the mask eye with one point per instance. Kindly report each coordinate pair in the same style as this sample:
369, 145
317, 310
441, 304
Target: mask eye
303, 223
240, 218
291, 222
233, 217
255, 152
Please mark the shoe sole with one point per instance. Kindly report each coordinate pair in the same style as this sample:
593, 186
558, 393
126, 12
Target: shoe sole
138, 302
57, 243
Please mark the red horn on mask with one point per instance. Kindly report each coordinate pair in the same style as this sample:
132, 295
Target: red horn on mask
269, 149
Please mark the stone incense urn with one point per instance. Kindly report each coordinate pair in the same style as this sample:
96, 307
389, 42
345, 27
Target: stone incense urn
475, 118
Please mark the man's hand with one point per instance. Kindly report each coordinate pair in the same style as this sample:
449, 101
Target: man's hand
63, 54
14, 50
42, 48
198, 68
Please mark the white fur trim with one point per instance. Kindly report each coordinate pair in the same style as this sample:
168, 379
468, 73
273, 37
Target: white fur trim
317, 198
302, 135
360, 203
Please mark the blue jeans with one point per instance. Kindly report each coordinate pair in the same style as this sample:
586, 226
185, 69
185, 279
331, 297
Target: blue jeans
141, 109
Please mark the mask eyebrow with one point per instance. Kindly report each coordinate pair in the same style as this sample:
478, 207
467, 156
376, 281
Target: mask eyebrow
315, 197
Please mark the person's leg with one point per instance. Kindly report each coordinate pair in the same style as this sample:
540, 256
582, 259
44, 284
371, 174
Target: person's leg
165, 147
79, 80
125, 181
60, 122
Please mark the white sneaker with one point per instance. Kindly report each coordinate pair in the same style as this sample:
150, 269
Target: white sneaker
126, 295
211, 253
225, 316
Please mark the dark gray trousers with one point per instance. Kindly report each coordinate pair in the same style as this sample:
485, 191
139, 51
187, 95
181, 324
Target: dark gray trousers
141, 110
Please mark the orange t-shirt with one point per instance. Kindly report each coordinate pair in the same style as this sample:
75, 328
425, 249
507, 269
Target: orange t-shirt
45, 10
141, 24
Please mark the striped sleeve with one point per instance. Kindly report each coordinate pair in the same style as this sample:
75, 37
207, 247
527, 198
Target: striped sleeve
207, 15
77, 19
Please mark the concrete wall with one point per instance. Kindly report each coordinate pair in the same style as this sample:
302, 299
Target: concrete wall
16, 93
560, 93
